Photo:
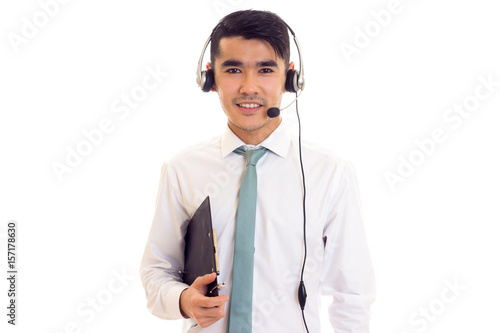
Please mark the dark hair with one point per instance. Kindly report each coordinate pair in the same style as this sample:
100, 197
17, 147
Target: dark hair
252, 24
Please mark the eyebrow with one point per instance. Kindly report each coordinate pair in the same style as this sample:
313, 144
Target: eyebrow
237, 63
267, 63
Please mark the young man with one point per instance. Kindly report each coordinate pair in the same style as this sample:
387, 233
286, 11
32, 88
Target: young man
250, 53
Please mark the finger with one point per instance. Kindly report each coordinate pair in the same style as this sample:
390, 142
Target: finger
210, 302
216, 301
215, 312
207, 322
207, 316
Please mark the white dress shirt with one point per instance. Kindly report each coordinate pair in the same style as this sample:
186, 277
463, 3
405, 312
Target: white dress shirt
338, 261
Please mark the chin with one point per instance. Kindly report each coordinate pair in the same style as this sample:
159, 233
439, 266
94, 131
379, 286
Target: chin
250, 126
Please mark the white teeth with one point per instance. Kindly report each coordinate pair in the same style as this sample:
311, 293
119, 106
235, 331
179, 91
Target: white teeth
250, 106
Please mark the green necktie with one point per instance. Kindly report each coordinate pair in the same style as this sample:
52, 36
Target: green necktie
240, 312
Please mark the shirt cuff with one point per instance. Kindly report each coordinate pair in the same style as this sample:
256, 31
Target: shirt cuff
174, 293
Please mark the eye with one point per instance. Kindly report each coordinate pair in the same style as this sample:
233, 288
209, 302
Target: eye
233, 70
266, 70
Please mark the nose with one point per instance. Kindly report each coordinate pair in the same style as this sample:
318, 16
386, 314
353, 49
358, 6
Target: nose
249, 84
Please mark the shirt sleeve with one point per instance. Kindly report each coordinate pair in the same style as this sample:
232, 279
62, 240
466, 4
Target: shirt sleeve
348, 273
163, 258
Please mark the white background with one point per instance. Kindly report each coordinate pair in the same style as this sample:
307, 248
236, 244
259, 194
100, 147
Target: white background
77, 233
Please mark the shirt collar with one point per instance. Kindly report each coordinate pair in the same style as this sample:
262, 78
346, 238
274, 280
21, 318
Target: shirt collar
278, 141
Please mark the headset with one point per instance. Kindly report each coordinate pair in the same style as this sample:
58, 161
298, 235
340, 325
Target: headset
294, 79
295, 84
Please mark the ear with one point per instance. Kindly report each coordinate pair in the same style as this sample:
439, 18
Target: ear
292, 65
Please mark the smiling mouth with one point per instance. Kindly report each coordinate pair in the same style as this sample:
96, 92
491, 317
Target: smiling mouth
249, 108
249, 105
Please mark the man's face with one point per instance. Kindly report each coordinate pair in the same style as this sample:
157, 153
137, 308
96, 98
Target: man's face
249, 79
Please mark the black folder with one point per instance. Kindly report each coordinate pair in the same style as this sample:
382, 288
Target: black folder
200, 253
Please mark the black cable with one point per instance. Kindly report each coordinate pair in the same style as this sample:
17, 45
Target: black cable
304, 319
302, 289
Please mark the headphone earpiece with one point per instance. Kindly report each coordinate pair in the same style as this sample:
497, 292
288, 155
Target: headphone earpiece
291, 83
207, 80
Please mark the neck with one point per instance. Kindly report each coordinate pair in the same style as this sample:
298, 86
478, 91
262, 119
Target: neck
255, 137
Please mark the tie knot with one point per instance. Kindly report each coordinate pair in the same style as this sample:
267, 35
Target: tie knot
252, 156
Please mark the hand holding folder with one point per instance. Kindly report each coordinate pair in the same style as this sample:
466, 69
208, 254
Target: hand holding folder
200, 253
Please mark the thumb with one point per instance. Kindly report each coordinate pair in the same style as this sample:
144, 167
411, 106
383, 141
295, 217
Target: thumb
205, 279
